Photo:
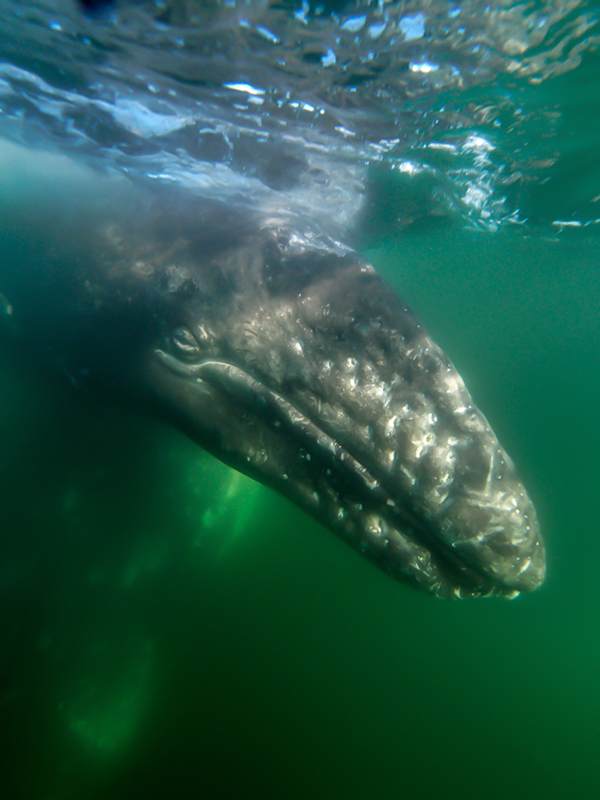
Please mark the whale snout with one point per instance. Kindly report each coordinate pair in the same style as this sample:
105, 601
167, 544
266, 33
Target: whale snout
496, 530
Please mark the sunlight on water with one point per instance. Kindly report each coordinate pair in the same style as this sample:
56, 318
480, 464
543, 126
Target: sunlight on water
228, 518
263, 91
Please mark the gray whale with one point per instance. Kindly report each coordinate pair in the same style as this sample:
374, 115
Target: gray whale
280, 351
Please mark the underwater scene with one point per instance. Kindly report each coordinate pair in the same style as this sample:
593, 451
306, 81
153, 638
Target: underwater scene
207, 393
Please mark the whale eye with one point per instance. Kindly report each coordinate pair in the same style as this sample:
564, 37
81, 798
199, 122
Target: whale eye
184, 344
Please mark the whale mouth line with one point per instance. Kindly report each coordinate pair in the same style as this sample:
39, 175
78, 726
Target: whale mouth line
365, 513
225, 375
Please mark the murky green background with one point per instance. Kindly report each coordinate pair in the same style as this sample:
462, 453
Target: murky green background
169, 629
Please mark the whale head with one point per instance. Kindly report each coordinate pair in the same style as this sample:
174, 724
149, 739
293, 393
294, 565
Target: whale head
290, 358
286, 355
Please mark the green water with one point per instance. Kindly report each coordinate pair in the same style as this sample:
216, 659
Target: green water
171, 630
